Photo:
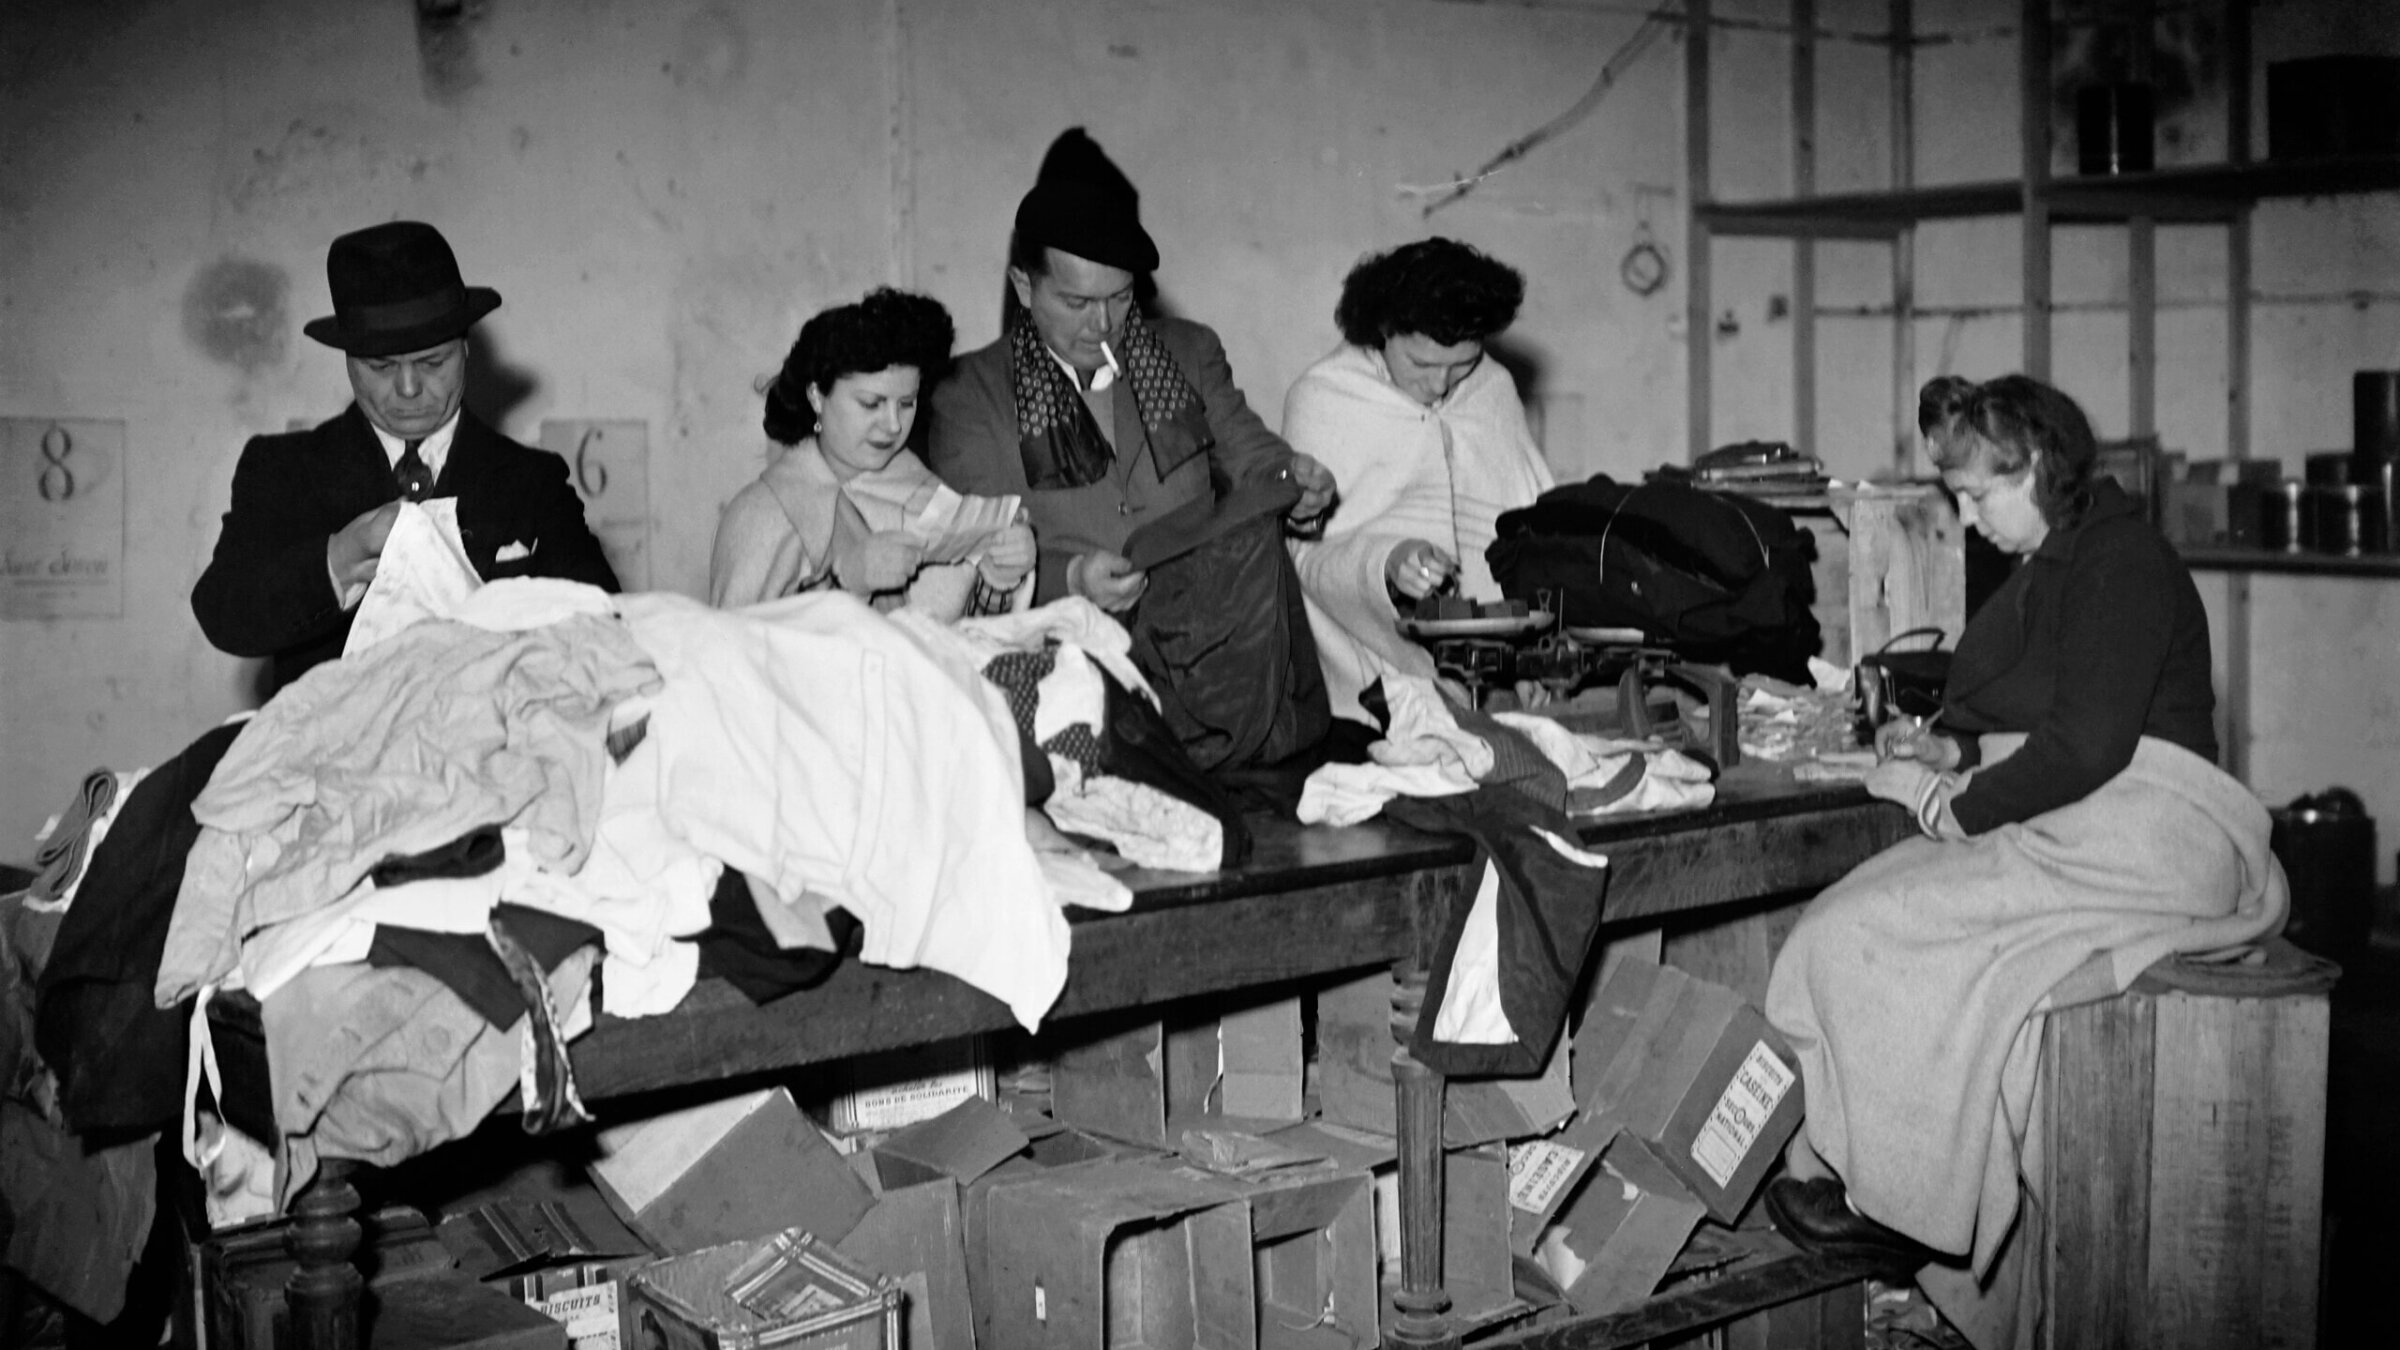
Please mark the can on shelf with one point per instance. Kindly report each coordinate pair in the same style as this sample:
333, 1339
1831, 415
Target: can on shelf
2285, 524
2350, 519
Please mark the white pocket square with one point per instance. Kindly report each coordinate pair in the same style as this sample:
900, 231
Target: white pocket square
513, 552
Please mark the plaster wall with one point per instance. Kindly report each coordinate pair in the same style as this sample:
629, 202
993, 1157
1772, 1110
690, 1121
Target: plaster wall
663, 191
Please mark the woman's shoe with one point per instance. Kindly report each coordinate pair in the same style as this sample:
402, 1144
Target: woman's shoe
1816, 1217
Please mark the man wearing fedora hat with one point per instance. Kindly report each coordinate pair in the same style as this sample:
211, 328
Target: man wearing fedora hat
311, 508
1100, 417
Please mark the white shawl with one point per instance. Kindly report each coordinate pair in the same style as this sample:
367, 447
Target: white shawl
1442, 474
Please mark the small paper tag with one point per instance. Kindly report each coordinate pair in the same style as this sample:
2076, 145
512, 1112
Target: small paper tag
1741, 1113
1537, 1171
1041, 1304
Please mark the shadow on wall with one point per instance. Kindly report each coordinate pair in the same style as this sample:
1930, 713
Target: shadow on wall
1522, 366
495, 388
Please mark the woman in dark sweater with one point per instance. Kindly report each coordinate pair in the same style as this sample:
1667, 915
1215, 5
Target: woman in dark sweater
2076, 829
2095, 641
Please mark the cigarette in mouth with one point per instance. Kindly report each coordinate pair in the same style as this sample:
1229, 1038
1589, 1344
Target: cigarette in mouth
1109, 355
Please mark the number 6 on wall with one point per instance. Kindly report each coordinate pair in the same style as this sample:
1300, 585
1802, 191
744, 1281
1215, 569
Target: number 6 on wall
608, 462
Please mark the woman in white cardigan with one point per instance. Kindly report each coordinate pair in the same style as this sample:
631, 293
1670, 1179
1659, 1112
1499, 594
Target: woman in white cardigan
1429, 443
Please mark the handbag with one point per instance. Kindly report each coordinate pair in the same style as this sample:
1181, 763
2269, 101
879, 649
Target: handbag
1891, 683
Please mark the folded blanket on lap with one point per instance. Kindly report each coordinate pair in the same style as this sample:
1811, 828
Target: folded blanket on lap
1911, 987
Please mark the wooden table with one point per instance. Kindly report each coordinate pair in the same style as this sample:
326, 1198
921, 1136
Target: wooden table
1311, 901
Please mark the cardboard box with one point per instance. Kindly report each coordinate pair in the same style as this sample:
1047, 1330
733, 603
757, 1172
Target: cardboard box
899, 1088
960, 1144
917, 1236
730, 1170
1354, 1075
243, 1271
1622, 1229
448, 1311
1128, 1084
588, 1299
565, 1260
1695, 1072
1312, 1226
785, 1289
1543, 1174
1120, 1254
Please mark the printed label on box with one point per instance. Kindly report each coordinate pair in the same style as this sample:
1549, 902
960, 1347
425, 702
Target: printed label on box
1537, 1170
1742, 1110
899, 1105
589, 1315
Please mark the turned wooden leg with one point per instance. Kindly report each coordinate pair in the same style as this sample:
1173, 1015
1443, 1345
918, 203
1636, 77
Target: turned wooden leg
1423, 1307
323, 1294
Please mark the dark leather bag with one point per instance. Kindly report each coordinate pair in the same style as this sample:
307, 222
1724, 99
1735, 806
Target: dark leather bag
1907, 682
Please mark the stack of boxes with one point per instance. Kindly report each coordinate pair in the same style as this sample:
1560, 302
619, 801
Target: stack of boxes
1191, 1186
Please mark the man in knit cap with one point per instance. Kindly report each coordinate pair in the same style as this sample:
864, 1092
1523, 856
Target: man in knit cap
1101, 417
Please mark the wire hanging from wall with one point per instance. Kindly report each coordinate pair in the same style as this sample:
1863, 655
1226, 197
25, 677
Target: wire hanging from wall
1655, 23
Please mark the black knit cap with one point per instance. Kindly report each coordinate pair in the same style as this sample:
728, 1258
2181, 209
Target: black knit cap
1083, 204
396, 289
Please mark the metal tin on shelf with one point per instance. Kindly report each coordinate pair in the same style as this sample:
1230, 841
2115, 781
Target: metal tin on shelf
2350, 519
2284, 521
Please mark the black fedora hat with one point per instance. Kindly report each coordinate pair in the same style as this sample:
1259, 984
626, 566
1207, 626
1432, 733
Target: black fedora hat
396, 289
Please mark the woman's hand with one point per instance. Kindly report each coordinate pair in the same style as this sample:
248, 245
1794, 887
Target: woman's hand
887, 561
1008, 557
1907, 738
1417, 569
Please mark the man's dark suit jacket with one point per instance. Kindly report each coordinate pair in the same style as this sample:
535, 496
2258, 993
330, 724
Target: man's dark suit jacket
267, 592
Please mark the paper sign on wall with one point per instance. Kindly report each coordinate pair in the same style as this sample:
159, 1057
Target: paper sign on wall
609, 464
62, 518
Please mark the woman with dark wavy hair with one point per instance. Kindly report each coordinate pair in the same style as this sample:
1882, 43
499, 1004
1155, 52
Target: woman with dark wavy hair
1429, 443
845, 503
2075, 828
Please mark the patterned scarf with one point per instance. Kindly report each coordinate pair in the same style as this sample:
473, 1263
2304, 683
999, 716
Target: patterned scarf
1062, 445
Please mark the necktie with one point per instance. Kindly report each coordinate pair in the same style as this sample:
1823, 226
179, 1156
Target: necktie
415, 478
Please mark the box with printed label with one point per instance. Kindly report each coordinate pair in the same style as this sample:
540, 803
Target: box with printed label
898, 1088
1620, 1230
1694, 1071
785, 1289
1119, 1254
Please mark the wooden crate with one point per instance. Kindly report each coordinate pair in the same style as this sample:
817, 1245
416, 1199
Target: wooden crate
2184, 1180
1888, 559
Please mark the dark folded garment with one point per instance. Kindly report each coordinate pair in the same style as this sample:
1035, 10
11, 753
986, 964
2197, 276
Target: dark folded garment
738, 949
119, 1058
468, 965
470, 855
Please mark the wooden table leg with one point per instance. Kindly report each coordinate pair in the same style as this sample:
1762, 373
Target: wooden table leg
1423, 1306
323, 1294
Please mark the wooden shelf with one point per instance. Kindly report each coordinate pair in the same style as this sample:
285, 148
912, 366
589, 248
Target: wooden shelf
2226, 558
2202, 193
